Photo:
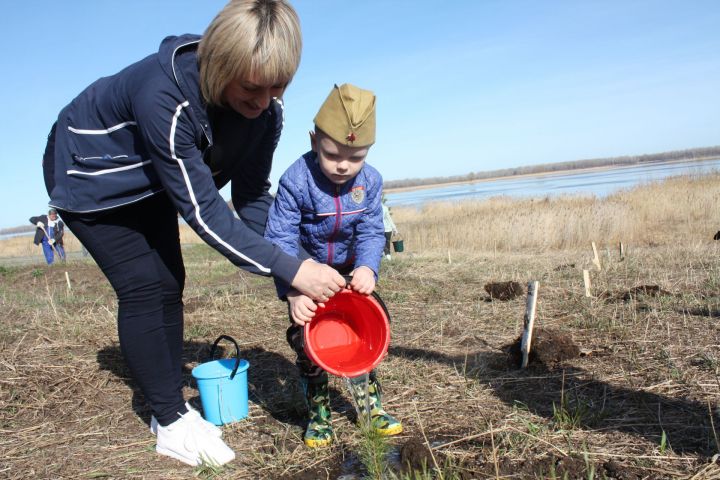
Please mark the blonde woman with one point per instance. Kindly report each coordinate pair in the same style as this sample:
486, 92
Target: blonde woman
163, 136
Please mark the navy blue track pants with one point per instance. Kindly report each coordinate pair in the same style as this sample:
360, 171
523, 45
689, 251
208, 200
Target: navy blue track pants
137, 247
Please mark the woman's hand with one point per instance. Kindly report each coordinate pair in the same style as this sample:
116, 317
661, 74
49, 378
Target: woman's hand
302, 308
317, 281
363, 280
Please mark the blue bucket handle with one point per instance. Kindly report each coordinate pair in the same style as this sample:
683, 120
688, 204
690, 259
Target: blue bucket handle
237, 352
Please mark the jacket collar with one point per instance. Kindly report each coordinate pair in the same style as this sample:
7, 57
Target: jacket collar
178, 58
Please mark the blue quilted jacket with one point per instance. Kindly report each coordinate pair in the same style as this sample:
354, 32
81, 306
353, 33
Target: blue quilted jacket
339, 225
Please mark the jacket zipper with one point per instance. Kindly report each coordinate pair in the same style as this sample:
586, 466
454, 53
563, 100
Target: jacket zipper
336, 227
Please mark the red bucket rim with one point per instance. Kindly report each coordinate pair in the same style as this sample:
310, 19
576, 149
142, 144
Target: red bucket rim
376, 306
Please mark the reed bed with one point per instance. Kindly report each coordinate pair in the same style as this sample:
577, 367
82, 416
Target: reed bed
657, 213
23, 246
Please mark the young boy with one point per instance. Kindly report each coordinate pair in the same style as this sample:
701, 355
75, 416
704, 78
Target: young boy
329, 205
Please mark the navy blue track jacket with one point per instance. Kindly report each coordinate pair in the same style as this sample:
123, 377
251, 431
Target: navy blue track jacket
145, 131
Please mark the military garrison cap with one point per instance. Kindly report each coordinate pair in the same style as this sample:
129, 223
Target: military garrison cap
348, 116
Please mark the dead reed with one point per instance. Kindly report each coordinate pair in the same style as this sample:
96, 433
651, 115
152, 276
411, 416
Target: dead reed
658, 213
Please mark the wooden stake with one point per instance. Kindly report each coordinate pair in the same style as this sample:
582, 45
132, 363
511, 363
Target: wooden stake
622, 252
596, 259
586, 281
529, 321
67, 279
449, 259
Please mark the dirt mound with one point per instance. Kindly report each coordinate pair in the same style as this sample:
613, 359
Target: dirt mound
635, 292
415, 456
504, 290
548, 348
649, 290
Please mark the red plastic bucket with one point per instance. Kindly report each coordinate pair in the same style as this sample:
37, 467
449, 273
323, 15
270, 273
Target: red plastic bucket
350, 335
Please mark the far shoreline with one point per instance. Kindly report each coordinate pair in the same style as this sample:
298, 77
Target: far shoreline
541, 174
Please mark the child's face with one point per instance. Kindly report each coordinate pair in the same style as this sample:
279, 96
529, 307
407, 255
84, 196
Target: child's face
250, 98
339, 163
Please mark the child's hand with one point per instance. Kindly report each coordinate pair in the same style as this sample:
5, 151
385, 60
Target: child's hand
363, 280
302, 308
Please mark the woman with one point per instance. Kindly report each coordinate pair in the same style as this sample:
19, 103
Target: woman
161, 137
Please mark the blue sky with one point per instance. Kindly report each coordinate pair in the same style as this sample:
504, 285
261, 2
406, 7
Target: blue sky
462, 86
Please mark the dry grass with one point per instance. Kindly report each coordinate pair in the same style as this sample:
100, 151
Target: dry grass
642, 402
679, 209
23, 246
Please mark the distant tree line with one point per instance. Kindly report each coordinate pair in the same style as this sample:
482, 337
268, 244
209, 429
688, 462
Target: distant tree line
17, 230
689, 154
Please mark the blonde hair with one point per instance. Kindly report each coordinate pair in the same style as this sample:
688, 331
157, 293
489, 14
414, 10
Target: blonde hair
249, 37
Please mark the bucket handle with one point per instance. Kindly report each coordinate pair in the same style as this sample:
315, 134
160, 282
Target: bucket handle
348, 279
237, 352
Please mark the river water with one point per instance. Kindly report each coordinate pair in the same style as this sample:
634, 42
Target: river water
598, 182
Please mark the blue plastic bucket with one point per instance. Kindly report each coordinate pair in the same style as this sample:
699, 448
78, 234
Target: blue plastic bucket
223, 386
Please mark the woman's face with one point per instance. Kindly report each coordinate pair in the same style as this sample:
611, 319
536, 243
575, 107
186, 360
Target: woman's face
250, 98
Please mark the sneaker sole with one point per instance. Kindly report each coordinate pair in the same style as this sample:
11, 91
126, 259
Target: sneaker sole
192, 462
176, 456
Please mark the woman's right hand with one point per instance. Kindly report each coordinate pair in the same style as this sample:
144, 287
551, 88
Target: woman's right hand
317, 281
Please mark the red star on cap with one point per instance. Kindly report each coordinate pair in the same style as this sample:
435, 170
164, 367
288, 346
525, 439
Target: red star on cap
350, 137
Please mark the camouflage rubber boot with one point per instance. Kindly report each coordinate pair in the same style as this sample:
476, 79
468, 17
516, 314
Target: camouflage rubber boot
319, 430
381, 421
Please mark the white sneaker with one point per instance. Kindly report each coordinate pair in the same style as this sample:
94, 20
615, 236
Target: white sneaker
211, 427
187, 440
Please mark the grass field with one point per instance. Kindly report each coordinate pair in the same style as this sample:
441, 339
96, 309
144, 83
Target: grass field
639, 402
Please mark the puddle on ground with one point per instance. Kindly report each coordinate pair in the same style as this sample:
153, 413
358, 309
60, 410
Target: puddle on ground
414, 452
353, 469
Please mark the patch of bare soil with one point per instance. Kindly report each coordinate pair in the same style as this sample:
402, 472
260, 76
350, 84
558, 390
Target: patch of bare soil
570, 467
504, 290
85, 278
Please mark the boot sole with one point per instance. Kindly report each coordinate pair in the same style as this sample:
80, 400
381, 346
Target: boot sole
317, 443
386, 432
